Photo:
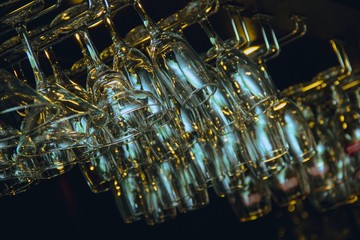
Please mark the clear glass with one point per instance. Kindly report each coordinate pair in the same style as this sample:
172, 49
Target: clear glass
327, 172
177, 64
126, 192
131, 112
20, 104
299, 137
244, 79
290, 185
251, 202
265, 144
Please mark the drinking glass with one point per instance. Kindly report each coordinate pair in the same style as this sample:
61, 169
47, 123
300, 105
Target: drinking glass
18, 178
73, 92
128, 109
10, 141
133, 63
291, 184
177, 64
346, 127
244, 80
266, 144
249, 132
126, 192
327, 171
158, 207
199, 143
100, 164
53, 146
23, 112
251, 202
176, 166
300, 139
350, 86
15, 177
21, 103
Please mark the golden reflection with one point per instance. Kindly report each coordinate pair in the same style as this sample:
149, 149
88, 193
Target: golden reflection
208, 9
96, 24
291, 208
350, 85
75, 1
60, 168
313, 85
342, 118
280, 106
251, 49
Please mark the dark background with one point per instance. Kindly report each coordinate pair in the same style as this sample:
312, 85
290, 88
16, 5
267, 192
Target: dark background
65, 208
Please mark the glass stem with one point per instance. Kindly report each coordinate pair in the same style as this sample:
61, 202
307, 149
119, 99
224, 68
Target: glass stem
215, 39
19, 73
237, 23
150, 25
40, 78
90, 53
60, 76
120, 45
54, 64
338, 48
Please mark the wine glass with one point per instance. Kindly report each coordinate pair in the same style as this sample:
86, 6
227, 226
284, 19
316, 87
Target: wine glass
300, 139
345, 127
129, 109
19, 177
28, 116
60, 136
327, 172
126, 192
53, 146
59, 77
133, 63
246, 132
21, 106
7, 133
291, 184
351, 87
158, 204
251, 202
21, 103
176, 164
177, 64
179, 20
243, 80
15, 177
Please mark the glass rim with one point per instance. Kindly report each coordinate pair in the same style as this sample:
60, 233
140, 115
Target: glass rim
29, 131
20, 187
193, 94
78, 144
